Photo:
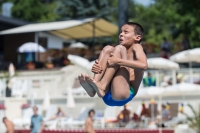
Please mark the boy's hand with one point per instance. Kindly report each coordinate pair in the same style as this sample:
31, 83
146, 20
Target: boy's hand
112, 61
96, 68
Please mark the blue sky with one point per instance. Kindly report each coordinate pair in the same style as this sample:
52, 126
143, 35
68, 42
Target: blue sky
144, 2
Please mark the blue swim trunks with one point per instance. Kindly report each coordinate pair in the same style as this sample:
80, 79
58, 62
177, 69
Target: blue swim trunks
111, 102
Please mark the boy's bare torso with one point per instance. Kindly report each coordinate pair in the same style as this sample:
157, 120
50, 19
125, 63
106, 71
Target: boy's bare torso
136, 75
89, 126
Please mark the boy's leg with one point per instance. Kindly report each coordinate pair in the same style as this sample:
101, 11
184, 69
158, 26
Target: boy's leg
90, 91
103, 58
105, 53
119, 75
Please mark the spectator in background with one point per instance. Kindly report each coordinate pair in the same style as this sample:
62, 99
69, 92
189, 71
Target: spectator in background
185, 43
164, 54
59, 114
37, 124
89, 122
179, 77
145, 111
165, 113
166, 46
64, 61
123, 117
9, 125
149, 80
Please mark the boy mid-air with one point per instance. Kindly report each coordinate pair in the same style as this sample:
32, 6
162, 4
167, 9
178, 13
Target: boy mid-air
119, 70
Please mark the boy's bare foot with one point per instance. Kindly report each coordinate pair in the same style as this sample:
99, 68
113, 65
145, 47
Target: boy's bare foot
96, 85
88, 88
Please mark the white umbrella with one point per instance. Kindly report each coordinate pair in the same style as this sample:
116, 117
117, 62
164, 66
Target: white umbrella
11, 70
161, 63
46, 102
187, 56
154, 91
78, 45
80, 61
31, 47
70, 99
184, 87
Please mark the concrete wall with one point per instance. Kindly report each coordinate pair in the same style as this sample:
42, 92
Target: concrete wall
53, 42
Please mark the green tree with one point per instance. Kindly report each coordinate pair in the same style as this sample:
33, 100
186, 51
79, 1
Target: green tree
86, 8
171, 19
33, 10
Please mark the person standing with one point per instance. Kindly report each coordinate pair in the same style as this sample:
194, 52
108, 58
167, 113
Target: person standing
166, 46
37, 124
149, 80
185, 43
124, 116
9, 125
89, 122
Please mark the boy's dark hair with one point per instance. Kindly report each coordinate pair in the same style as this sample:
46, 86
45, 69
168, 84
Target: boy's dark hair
92, 110
138, 29
4, 118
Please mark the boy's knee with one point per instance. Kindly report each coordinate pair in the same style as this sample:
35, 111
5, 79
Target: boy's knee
120, 48
108, 49
125, 95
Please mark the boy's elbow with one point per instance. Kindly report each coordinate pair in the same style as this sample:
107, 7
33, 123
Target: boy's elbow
145, 66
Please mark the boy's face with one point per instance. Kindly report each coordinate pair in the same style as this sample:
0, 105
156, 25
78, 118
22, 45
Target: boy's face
127, 36
91, 114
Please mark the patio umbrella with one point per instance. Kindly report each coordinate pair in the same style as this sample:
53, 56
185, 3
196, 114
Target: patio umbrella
78, 45
70, 99
46, 102
30, 47
11, 70
80, 61
183, 88
161, 63
187, 56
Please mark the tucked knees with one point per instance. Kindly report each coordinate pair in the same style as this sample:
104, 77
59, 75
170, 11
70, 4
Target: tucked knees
120, 48
108, 49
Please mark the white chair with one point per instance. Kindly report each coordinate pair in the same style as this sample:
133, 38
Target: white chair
78, 122
110, 115
51, 111
25, 120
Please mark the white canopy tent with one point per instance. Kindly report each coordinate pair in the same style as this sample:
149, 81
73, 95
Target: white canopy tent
70, 29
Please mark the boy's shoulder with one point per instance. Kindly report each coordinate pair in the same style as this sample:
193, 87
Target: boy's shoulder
137, 46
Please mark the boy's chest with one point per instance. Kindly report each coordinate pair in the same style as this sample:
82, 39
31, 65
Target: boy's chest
131, 56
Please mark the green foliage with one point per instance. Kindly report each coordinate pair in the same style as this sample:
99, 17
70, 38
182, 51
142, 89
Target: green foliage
165, 18
195, 120
85, 8
171, 19
33, 10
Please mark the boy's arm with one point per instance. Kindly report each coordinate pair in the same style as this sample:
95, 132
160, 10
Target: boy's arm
140, 62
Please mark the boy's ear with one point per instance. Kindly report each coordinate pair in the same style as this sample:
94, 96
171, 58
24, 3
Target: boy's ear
138, 38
